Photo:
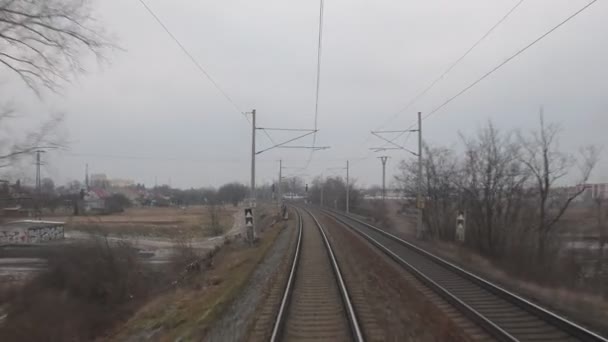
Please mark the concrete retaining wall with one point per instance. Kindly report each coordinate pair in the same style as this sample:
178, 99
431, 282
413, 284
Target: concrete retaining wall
30, 232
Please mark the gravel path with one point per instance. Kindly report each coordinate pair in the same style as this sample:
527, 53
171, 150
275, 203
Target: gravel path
235, 323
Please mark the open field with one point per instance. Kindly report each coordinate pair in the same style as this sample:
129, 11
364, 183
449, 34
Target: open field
169, 222
154, 232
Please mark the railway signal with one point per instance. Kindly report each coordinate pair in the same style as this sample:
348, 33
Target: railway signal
460, 230
249, 224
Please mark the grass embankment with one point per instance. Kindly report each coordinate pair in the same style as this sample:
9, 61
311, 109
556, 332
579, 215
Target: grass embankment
188, 312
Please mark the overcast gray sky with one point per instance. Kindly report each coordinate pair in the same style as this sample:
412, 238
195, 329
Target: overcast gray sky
150, 113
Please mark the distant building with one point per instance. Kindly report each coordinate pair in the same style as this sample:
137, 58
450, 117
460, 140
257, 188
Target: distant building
392, 194
95, 200
121, 183
595, 191
99, 180
15, 200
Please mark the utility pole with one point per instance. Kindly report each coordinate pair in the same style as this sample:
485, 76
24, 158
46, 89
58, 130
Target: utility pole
383, 159
38, 182
280, 190
251, 235
322, 191
86, 177
420, 201
253, 128
394, 146
347, 190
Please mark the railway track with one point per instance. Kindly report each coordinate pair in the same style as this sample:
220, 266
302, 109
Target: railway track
504, 315
315, 304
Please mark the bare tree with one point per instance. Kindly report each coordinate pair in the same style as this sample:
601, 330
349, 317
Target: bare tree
214, 228
42, 40
333, 192
492, 187
601, 215
440, 171
547, 166
232, 193
15, 145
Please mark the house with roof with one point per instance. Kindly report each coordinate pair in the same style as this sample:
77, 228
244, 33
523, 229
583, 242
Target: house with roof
95, 201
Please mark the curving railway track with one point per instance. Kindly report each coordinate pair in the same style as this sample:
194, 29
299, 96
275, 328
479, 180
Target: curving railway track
502, 314
315, 305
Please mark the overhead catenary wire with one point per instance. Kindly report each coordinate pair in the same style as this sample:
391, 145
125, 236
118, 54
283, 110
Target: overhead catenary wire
467, 88
318, 85
519, 52
193, 60
268, 136
420, 94
152, 158
452, 65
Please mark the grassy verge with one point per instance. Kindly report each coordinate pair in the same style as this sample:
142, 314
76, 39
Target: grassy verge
188, 312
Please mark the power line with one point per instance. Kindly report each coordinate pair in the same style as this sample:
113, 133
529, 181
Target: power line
509, 59
504, 62
319, 50
268, 136
155, 158
194, 61
452, 66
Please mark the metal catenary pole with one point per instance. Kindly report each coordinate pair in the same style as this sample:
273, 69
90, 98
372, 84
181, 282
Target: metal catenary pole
253, 153
280, 189
347, 190
252, 199
38, 184
322, 191
383, 159
420, 202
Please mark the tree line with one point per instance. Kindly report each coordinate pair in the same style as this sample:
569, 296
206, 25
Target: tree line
512, 187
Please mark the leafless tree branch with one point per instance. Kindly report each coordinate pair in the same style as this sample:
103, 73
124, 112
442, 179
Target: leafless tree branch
42, 40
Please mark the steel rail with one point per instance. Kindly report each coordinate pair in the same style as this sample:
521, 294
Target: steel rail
471, 313
282, 313
352, 316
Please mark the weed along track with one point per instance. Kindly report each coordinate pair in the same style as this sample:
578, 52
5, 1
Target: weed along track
315, 305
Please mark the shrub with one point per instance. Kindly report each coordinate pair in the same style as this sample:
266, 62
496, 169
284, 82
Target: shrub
86, 288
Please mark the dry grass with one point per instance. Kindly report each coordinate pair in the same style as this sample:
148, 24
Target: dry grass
188, 312
590, 309
151, 221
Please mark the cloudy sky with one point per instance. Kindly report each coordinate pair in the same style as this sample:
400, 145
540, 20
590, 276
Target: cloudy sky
151, 114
